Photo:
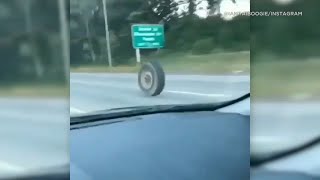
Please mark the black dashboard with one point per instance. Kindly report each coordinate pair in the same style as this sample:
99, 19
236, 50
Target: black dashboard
194, 146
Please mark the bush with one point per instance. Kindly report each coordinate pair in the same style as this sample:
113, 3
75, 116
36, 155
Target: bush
203, 46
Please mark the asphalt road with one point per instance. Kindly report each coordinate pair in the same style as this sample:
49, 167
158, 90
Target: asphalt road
275, 125
34, 133
91, 92
281, 125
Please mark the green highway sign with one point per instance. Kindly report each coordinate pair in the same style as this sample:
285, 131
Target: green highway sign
147, 36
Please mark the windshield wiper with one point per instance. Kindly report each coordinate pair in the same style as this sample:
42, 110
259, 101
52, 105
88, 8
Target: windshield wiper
113, 114
54, 173
257, 161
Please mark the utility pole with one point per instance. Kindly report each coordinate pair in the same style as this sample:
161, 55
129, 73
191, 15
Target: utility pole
28, 16
107, 32
64, 32
34, 52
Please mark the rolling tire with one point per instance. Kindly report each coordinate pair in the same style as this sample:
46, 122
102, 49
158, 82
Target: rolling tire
151, 78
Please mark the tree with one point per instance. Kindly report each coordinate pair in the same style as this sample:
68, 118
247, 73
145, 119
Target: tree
182, 26
28, 39
293, 36
86, 9
214, 6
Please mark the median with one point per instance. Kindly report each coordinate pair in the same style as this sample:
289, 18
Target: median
184, 63
276, 79
34, 90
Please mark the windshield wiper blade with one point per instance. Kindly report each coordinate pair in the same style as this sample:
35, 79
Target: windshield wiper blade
112, 114
257, 161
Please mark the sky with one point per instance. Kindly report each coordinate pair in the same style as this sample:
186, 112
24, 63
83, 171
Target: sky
227, 6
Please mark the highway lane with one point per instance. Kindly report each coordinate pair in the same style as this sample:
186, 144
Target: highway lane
282, 125
277, 125
93, 91
34, 133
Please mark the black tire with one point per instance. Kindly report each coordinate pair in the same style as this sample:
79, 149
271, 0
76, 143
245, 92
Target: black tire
157, 78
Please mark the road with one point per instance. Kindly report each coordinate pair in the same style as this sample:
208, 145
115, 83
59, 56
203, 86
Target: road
34, 133
283, 124
275, 125
91, 92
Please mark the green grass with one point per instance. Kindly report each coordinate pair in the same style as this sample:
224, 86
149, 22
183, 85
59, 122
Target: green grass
35, 91
105, 69
286, 79
185, 63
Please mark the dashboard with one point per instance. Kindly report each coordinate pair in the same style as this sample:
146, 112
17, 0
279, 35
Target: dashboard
194, 146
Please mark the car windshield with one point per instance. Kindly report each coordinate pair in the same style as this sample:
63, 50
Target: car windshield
285, 63
203, 48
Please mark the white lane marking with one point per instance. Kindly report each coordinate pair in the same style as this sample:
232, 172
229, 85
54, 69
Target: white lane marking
278, 139
267, 139
235, 78
199, 94
170, 91
76, 110
261, 145
237, 71
4, 166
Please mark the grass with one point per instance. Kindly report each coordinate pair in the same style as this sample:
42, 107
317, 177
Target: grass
35, 91
105, 69
286, 79
185, 63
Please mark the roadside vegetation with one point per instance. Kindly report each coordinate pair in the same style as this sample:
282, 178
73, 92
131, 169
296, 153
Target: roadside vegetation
30, 49
193, 43
35, 90
285, 56
216, 63
286, 79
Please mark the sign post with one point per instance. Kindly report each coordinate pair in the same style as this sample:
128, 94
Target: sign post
147, 36
64, 38
138, 55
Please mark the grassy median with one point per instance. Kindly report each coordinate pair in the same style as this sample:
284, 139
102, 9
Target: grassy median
286, 79
34, 90
185, 63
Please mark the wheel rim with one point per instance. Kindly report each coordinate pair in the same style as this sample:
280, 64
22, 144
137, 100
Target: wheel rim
146, 79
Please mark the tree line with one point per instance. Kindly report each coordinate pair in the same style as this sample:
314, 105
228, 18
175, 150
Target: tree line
30, 46
294, 37
185, 30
